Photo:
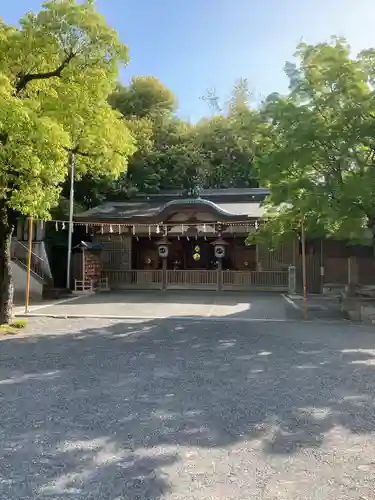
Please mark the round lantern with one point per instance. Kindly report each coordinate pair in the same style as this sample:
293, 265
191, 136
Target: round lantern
163, 251
219, 251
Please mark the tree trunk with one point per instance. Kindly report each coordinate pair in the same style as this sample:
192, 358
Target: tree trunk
6, 285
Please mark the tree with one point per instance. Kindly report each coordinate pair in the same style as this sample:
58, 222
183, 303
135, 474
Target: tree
318, 147
146, 96
172, 153
148, 109
56, 72
228, 145
228, 140
241, 97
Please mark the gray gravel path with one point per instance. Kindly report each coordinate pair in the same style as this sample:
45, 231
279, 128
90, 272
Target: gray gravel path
173, 410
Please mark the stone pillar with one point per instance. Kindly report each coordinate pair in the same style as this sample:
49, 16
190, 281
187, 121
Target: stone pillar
291, 279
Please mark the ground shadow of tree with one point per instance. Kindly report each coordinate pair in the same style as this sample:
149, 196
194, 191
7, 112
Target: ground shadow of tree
101, 413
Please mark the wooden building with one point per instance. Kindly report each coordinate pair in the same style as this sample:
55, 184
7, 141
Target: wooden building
172, 241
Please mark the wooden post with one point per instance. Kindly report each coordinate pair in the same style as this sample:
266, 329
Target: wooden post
321, 267
257, 257
304, 277
219, 284
28, 268
164, 274
294, 251
83, 264
352, 275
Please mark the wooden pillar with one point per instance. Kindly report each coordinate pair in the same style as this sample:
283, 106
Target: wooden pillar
352, 271
164, 275
304, 274
321, 267
83, 265
219, 284
28, 269
130, 241
294, 251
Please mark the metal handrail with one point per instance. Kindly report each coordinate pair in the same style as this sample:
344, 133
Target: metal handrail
27, 249
37, 262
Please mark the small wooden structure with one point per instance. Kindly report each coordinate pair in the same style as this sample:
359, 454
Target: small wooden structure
88, 268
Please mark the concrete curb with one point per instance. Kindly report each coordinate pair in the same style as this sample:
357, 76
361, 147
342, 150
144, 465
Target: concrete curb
293, 296
178, 318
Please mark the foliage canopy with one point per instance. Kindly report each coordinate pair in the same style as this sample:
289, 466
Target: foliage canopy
318, 149
56, 71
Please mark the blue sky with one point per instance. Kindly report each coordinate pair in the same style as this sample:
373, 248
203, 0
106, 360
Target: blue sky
192, 45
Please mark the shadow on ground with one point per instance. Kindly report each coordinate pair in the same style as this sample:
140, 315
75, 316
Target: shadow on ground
106, 412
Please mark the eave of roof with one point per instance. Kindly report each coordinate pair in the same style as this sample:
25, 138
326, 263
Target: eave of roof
225, 204
144, 211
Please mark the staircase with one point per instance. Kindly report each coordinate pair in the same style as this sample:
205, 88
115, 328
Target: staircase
20, 256
40, 273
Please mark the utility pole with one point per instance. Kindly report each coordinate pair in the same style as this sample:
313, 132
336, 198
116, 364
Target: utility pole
71, 211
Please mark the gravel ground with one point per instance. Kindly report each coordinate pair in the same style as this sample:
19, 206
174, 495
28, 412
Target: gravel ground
183, 410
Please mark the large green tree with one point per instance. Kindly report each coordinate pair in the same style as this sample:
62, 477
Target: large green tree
217, 152
228, 145
145, 96
174, 154
163, 140
318, 147
56, 71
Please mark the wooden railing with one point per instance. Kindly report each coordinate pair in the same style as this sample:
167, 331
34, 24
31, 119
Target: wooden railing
89, 286
267, 280
147, 278
198, 279
191, 278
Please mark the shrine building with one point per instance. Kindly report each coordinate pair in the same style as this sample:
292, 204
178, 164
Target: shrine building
173, 241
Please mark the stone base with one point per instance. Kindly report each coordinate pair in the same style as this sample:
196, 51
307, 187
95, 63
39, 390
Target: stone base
359, 309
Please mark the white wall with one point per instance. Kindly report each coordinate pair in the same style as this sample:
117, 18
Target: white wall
21, 251
19, 282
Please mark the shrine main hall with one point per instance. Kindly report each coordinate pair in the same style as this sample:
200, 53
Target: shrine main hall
171, 241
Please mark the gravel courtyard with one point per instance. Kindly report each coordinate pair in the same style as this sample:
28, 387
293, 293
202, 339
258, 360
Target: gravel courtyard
182, 410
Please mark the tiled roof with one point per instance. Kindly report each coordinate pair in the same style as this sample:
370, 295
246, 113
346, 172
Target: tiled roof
227, 203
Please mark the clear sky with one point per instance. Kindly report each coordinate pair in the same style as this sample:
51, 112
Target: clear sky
192, 45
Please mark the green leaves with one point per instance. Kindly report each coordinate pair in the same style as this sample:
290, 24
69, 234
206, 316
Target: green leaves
172, 153
318, 146
145, 97
56, 72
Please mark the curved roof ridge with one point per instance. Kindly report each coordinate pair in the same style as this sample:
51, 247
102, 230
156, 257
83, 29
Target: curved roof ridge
193, 201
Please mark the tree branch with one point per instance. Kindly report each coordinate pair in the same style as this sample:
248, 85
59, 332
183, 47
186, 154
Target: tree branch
23, 80
78, 152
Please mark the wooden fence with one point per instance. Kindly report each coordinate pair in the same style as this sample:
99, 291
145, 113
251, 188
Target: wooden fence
198, 279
